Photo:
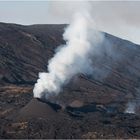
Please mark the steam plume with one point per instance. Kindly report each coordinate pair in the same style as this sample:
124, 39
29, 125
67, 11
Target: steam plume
131, 108
70, 59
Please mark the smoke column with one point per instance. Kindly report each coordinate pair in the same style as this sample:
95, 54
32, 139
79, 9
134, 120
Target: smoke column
70, 59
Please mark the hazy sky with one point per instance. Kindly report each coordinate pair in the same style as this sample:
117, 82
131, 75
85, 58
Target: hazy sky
120, 18
24, 12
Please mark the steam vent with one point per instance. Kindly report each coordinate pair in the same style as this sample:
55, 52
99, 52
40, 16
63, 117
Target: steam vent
104, 104
47, 116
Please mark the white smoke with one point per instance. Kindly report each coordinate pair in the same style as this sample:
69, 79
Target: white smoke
81, 38
119, 18
131, 106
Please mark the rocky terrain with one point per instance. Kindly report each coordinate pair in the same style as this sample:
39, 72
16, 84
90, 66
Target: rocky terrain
90, 106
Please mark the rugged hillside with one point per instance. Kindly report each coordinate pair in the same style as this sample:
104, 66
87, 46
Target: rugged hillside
25, 50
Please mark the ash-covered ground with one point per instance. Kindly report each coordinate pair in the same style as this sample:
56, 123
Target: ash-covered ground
90, 106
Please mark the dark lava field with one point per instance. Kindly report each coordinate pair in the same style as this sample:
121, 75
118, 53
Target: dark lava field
88, 107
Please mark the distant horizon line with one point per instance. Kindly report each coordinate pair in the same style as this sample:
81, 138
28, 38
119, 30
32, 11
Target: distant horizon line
2, 22
12, 23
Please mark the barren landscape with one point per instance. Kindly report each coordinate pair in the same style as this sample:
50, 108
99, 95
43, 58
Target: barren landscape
90, 106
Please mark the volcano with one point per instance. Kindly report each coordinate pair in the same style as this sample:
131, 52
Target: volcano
88, 107
37, 108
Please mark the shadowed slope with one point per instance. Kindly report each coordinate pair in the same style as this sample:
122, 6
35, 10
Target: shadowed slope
37, 109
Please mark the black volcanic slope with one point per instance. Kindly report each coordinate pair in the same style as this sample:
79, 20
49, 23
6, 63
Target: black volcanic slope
24, 51
91, 106
35, 108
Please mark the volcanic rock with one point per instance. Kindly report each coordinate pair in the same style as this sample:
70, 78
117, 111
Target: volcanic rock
36, 109
76, 103
94, 104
